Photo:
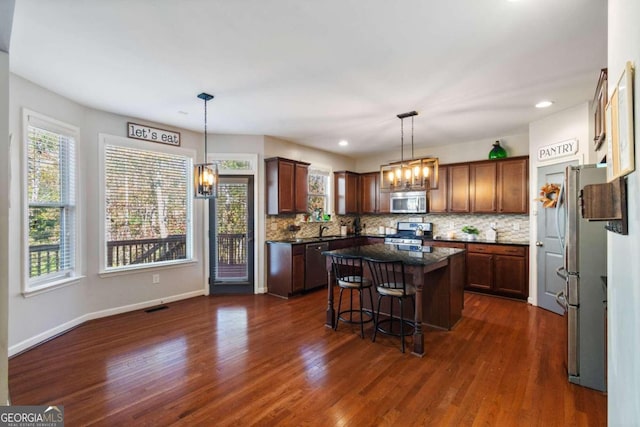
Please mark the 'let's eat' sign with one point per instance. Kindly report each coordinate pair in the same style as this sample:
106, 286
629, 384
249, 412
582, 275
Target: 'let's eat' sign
147, 133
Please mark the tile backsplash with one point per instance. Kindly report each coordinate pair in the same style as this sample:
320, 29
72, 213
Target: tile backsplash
509, 227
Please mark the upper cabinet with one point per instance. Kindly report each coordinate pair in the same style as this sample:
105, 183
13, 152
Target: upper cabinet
513, 185
373, 201
452, 194
438, 198
286, 186
370, 200
301, 187
482, 186
347, 192
496, 186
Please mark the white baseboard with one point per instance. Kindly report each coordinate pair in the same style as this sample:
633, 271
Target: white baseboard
44, 336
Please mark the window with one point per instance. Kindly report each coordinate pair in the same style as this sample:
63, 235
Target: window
147, 205
318, 191
51, 201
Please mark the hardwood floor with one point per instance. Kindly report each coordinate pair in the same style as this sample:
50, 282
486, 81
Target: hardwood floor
245, 360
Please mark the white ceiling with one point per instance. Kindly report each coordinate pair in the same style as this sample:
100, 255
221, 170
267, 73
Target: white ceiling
316, 72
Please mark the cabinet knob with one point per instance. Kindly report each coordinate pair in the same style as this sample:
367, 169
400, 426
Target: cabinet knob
538, 243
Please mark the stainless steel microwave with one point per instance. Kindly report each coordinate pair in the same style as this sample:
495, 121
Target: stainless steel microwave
409, 202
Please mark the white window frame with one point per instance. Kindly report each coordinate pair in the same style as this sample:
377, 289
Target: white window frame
104, 140
34, 286
329, 193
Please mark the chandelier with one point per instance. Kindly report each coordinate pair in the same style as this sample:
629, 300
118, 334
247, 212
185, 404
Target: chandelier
410, 174
205, 175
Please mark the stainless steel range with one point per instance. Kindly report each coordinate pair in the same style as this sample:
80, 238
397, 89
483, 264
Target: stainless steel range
410, 234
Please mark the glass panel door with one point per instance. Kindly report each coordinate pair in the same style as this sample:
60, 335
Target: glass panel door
231, 217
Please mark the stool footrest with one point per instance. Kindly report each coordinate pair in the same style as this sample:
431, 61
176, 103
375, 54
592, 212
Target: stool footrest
407, 325
356, 320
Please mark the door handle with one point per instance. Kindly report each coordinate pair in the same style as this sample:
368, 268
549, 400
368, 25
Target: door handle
539, 243
562, 273
561, 300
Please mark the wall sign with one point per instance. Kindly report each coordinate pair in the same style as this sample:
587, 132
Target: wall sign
558, 149
147, 133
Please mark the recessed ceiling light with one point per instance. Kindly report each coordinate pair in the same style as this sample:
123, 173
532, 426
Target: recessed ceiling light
544, 104
343, 143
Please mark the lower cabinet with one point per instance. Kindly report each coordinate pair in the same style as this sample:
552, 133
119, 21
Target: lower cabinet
498, 269
285, 269
290, 271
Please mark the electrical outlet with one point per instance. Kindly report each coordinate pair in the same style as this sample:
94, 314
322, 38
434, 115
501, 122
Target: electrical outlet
516, 226
156, 278
452, 225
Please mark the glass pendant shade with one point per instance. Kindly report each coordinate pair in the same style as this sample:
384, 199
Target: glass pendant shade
205, 180
205, 175
497, 152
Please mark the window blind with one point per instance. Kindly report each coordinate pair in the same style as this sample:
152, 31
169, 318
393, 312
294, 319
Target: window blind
147, 207
51, 190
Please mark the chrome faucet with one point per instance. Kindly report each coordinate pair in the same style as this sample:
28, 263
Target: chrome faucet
322, 228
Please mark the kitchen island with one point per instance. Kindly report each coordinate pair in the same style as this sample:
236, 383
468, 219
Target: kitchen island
437, 273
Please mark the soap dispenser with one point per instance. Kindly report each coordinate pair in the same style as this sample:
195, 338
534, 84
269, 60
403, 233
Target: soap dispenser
492, 234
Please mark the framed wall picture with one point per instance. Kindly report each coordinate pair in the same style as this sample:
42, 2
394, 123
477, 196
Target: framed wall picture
609, 142
622, 124
600, 103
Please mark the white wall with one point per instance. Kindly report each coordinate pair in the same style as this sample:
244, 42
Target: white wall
572, 123
274, 147
516, 145
623, 268
38, 317
4, 226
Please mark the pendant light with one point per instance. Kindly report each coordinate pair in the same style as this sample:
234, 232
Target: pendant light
410, 175
205, 174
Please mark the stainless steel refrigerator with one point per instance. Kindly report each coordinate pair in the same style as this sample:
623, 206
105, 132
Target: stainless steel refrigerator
584, 271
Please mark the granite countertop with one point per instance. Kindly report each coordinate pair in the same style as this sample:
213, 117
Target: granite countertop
479, 240
382, 252
425, 240
301, 240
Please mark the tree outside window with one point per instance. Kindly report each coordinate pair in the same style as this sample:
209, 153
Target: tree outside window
50, 188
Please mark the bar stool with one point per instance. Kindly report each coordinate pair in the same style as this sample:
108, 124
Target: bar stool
389, 280
348, 272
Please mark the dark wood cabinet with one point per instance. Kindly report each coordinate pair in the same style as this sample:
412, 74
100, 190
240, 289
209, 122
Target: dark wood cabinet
497, 186
500, 186
458, 189
288, 266
369, 183
301, 187
347, 192
482, 183
297, 269
372, 200
285, 269
286, 186
438, 198
513, 186
479, 271
498, 269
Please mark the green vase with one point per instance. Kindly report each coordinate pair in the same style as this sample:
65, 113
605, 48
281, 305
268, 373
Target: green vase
497, 152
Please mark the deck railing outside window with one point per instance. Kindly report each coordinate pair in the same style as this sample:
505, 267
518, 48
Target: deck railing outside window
231, 250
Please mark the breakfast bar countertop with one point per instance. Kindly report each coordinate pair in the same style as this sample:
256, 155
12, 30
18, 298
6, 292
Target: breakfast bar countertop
383, 252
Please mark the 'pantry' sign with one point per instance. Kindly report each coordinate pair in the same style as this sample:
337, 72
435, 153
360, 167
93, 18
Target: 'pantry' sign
558, 149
